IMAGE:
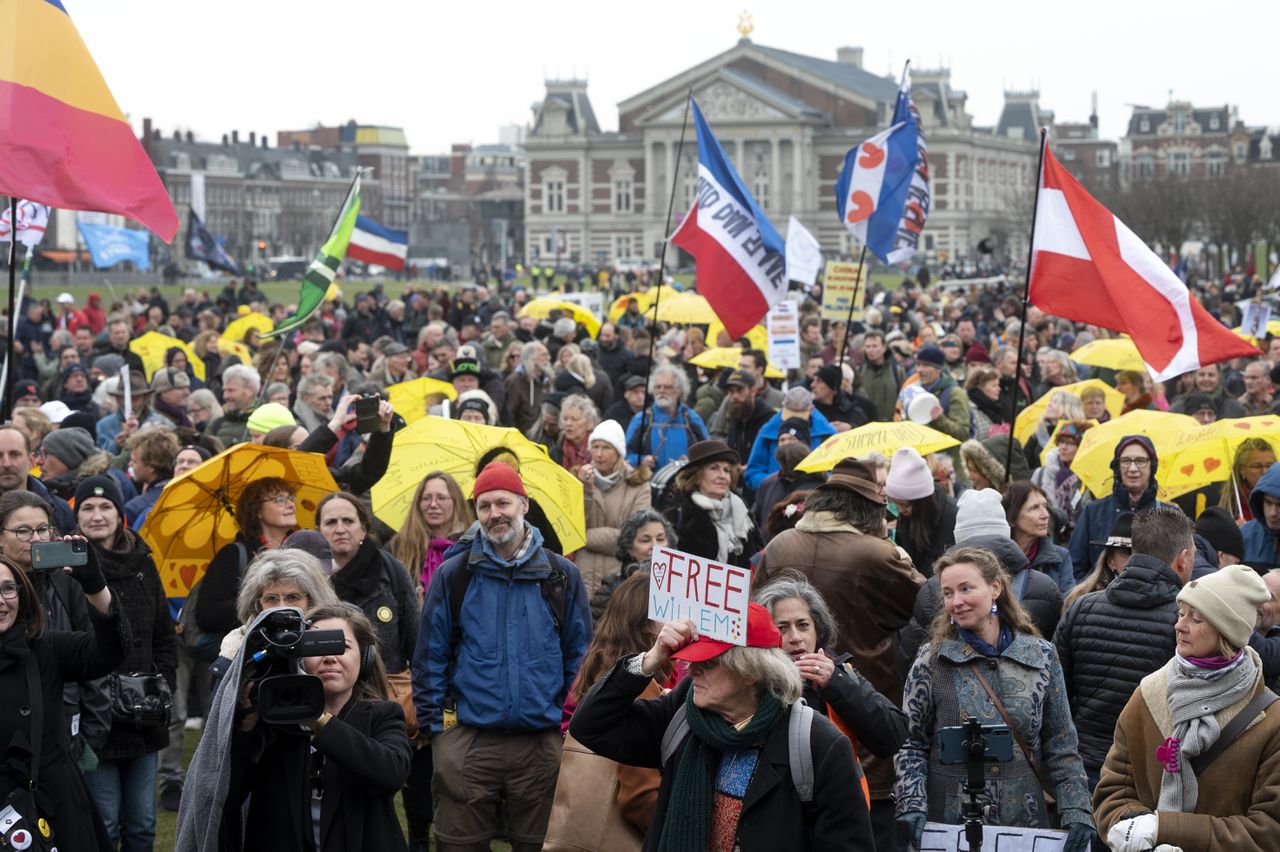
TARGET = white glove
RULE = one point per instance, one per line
(1133, 835)
(1168, 847)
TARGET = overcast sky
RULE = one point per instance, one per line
(455, 71)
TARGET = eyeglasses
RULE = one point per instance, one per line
(292, 599)
(9, 591)
(27, 533)
(1260, 467)
(437, 498)
(1139, 464)
(283, 500)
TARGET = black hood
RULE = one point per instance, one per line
(1148, 498)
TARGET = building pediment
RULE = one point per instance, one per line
(728, 96)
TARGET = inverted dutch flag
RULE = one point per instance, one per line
(375, 243)
(63, 139)
(741, 266)
(883, 190)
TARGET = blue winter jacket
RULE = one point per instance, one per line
(669, 435)
(1262, 545)
(762, 461)
(1098, 517)
(513, 672)
(1055, 560)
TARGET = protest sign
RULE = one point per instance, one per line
(940, 837)
(838, 286)
(712, 595)
(1256, 316)
(784, 335)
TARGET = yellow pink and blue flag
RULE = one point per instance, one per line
(63, 139)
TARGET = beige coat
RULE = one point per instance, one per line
(605, 512)
(1238, 806)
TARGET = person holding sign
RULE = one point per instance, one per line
(710, 520)
(722, 741)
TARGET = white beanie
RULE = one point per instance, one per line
(980, 512)
(611, 433)
(1228, 599)
(909, 478)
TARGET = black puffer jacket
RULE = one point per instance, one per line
(134, 582)
(1109, 641)
(1038, 594)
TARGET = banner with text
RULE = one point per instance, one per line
(839, 285)
(712, 595)
(784, 335)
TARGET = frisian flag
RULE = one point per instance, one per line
(33, 221)
(63, 139)
(373, 242)
(741, 257)
(202, 245)
(315, 283)
(883, 191)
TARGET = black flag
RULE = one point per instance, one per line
(201, 245)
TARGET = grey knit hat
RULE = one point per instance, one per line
(980, 513)
(69, 446)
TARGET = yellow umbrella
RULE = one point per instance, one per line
(542, 307)
(410, 398)
(152, 346)
(1197, 457)
(726, 357)
(879, 437)
(238, 328)
(1029, 418)
(644, 300)
(195, 515)
(758, 335)
(1093, 460)
(686, 309)
(1053, 438)
(235, 347)
(1117, 354)
(455, 447)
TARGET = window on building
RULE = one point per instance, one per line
(553, 196)
(1214, 122)
(622, 245)
(622, 195)
(1179, 163)
(1068, 153)
(1102, 157)
(1215, 164)
(1144, 125)
(1144, 166)
(760, 189)
(1179, 121)
(1240, 152)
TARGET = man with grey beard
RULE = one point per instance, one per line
(505, 625)
(527, 386)
(670, 427)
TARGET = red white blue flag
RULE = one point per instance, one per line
(741, 266)
(883, 191)
(372, 242)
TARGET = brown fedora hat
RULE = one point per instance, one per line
(705, 452)
(857, 476)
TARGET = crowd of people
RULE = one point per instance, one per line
(501, 687)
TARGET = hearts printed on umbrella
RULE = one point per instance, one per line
(862, 206)
(1245, 426)
(872, 156)
(658, 570)
(1187, 469)
(1211, 464)
(1267, 423)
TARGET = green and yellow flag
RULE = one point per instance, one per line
(323, 269)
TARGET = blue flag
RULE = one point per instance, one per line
(109, 245)
(201, 245)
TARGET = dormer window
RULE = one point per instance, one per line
(1144, 125)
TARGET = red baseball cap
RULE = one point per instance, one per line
(761, 633)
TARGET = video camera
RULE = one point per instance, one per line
(282, 693)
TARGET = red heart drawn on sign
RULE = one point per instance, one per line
(658, 569)
(1187, 469)
(1211, 464)
(1245, 426)
(872, 156)
(861, 207)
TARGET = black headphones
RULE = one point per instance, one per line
(368, 656)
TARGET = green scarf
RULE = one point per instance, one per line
(688, 819)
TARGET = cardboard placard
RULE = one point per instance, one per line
(712, 595)
(838, 286)
(941, 837)
(784, 335)
(127, 390)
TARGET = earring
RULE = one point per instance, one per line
(994, 608)
(953, 621)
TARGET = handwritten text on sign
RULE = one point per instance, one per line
(712, 595)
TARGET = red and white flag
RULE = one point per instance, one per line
(1087, 266)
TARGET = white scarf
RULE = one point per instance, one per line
(729, 514)
(604, 483)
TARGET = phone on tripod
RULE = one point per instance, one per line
(997, 741)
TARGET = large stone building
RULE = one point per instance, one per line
(470, 204)
(1182, 140)
(1090, 159)
(786, 120)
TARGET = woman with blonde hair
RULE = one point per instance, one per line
(438, 516)
(1062, 405)
(986, 660)
(1252, 459)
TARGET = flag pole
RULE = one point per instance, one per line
(662, 269)
(853, 300)
(1026, 297)
(12, 321)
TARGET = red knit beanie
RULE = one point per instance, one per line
(497, 476)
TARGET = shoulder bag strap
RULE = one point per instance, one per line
(1017, 735)
(36, 700)
(1234, 729)
(674, 735)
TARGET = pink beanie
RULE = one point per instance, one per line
(909, 478)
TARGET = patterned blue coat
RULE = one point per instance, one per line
(943, 690)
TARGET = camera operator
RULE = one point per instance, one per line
(124, 784)
(36, 660)
(985, 660)
(27, 519)
(328, 784)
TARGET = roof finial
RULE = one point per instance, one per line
(744, 24)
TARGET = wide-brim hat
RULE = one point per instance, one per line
(857, 476)
(137, 386)
(705, 452)
(1121, 534)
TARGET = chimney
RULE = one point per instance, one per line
(253, 139)
(191, 137)
(264, 140)
(1093, 112)
(224, 139)
(235, 137)
(146, 129)
(849, 56)
(177, 136)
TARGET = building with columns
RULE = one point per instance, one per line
(786, 120)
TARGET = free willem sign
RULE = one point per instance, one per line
(712, 595)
